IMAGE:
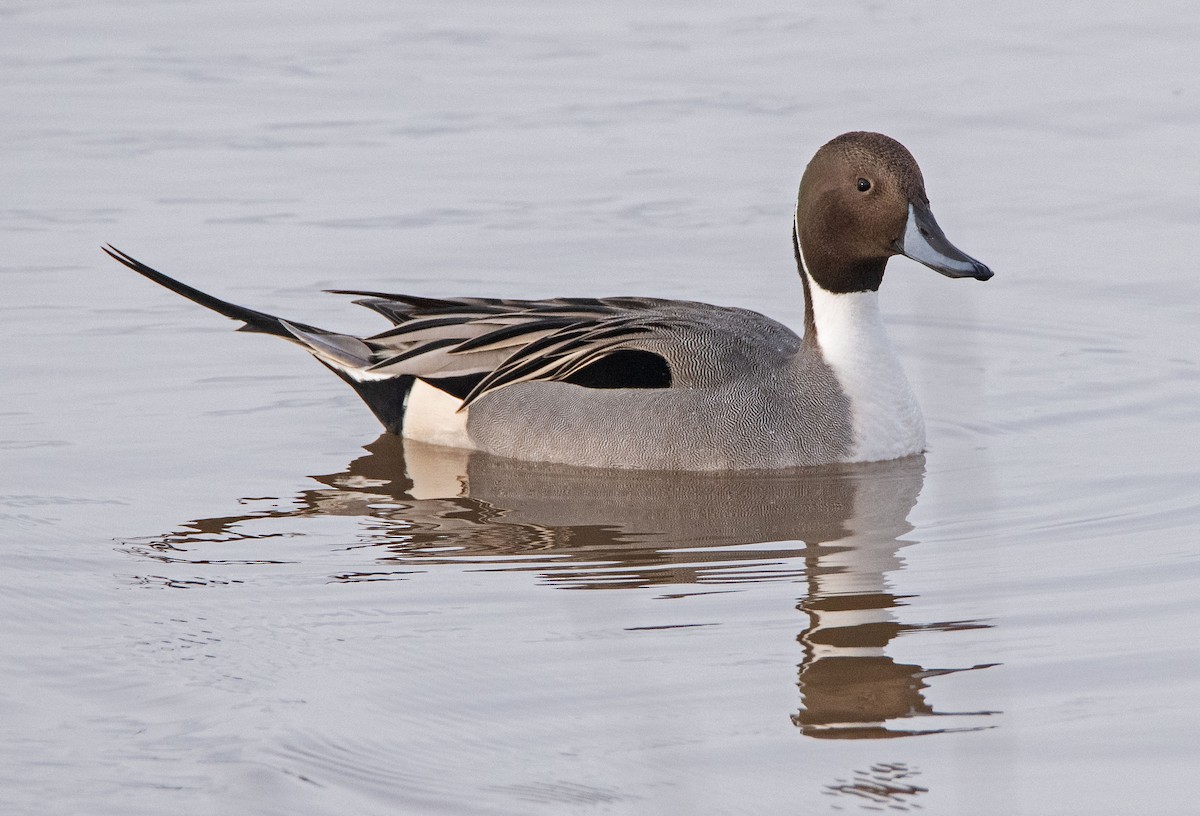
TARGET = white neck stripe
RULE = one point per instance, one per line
(885, 416)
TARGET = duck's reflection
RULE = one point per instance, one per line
(839, 529)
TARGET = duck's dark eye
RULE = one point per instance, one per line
(863, 185)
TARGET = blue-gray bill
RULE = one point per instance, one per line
(925, 243)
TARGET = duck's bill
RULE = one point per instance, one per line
(925, 243)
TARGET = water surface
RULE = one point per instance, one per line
(220, 588)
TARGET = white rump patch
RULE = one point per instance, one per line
(431, 415)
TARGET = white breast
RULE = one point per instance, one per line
(886, 419)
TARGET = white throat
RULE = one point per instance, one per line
(886, 419)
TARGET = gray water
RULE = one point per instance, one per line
(222, 592)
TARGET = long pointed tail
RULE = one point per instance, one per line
(347, 356)
(254, 320)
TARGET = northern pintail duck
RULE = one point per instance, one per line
(638, 382)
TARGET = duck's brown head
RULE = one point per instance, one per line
(862, 200)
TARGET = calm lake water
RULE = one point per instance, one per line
(222, 592)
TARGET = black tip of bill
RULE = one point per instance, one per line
(980, 272)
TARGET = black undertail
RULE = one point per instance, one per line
(387, 399)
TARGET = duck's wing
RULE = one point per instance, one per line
(469, 346)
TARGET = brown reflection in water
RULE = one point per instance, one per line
(839, 529)
(850, 689)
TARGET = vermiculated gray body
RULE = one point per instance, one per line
(747, 393)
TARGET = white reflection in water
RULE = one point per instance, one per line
(837, 529)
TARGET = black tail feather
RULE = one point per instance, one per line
(255, 321)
